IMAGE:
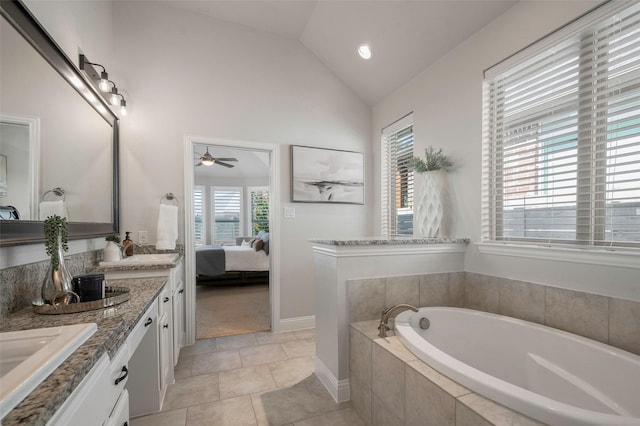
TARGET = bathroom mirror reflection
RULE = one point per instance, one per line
(51, 137)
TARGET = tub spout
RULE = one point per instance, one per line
(384, 317)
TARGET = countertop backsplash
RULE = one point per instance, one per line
(19, 285)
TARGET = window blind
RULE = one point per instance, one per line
(561, 154)
(397, 178)
(227, 210)
(199, 212)
(259, 215)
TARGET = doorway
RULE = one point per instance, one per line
(228, 187)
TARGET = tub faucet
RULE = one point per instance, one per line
(384, 318)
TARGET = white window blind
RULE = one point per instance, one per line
(561, 154)
(259, 214)
(200, 215)
(397, 178)
(227, 214)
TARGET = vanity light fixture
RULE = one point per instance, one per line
(364, 51)
(114, 96)
(106, 86)
(104, 76)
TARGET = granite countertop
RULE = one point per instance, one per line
(114, 325)
(137, 266)
(373, 241)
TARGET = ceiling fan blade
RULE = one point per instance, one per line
(226, 159)
(199, 164)
(223, 164)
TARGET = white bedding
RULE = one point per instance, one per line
(239, 258)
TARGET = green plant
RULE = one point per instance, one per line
(115, 238)
(55, 228)
(434, 160)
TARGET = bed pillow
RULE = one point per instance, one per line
(265, 238)
(246, 243)
(257, 244)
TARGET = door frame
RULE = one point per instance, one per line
(189, 221)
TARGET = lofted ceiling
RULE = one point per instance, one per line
(405, 36)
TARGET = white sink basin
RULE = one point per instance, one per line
(27, 357)
(144, 259)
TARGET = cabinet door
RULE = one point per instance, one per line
(120, 414)
(166, 351)
(178, 323)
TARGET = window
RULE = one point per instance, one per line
(562, 136)
(226, 214)
(259, 212)
(199, 212)
(397, 178)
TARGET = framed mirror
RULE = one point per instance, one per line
(58, 138)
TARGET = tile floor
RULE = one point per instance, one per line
(250, 379)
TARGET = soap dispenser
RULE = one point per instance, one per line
(128, 244)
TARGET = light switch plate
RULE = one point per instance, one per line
(143, 237)
(289, 212)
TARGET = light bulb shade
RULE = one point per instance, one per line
(364, 51)
(123, 107)
(104, 81)
(114, 99)
(207, 162)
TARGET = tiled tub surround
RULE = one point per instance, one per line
(114, 325)
(338, 261)
(390, 386)
(609, 320)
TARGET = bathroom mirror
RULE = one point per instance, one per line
(52, 137)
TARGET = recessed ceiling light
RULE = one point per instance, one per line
(364, 51)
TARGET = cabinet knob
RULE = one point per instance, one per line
(181, 291)
(125, 370)
(166, 326)
(166, 299)
(148, 322)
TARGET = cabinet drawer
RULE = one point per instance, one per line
(119, 372)
(147, 321)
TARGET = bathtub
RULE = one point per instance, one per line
(549, 375)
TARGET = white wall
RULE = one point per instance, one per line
(191, 74)
(447, 99)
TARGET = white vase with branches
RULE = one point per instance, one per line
(432, 216)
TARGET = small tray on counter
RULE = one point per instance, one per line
(113, 296)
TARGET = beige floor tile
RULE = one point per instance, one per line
(345, 417)
(245, 381)
(299, 402)
(263, 354)
(292, 371)
(183, 368)
(215, 362)
(268, 338)
(191, 391)
(309, 333)
(170, 418)
(199, 347)
(229, 412)
(229, 343)
(300, 348)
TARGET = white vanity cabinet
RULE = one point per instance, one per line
(155, 357)
(101, 397)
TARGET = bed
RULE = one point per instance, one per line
(243, 263)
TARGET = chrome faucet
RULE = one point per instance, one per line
(125, 247)
(384, 318)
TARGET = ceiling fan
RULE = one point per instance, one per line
(209, 160)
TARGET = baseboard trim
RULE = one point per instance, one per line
(339, 390)
(299, 323)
